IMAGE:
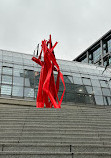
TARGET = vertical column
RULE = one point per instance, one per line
(87, 56)
(101, 45)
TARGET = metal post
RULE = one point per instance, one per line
(101, 45)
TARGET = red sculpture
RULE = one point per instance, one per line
(48, 89)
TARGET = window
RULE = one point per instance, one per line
(104, 83)
(106, 92)
(6, 79)
(70, 97)
(95, 82)
(77, 80)
(18, 72)
(86, 81)
(97, 91)
(107, 100)
(29, 78)
(7, 70)
(99, 100)
(29, 92)
(6, 90)
(68, 79)
(18, 81)
(17, 91)
(88, 89)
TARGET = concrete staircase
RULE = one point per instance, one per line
(69, 132)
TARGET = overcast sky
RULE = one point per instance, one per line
(75, 24)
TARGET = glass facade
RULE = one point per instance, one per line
(85, 84)
(98, 53)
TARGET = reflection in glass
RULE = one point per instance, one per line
(86, 81)
(68, 79)
(17, 91)
(99, 100)
(19, 81)
(17, 60)
(6, 89)
(29, 92)
(6, 79)
(7, 58)
(70, 97)
(77, 80)
(36, 78)
(97, 91)
(89, 99)
(29, 78)
(7, 70)
(18, 72)
(104, 83)
(107, 100)
(95, 82)
(106, 92)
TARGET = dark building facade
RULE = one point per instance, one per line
(85, 83)
(98, 53)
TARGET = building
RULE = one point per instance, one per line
(98, 53)
(85, 83)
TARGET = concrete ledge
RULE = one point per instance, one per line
(13, 101)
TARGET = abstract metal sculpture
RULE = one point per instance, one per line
(48, 89)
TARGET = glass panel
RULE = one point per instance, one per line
(97, 91)
(36, 91)
(76, 75)
(0, 70)
(7, 58)
(69, 87)
(0, 54)
(7, 79)
(6, 89)
(77, 80)
(29, 78)
(18, 72)
(18, 66)
(36, 78)
(17, 91)
(19, 81)
(16, 54)
(70, 97)
(7, 70)
(104, 83)
(88, 89)
(68, 79)
(28, 62)
(109, 45)
(96, 54)
(86, 81)
(106, 92)
(95, 82)
(99, 100)
(107, 100)
(17, 60)
(28, 67)
(80, 98)
(7, 53)
(7, 64)
(29, 92)
(89, 99)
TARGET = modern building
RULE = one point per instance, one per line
(85, 83)
(98, 53)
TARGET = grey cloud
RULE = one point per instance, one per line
(75, 24)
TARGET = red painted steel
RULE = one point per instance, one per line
(48, 89)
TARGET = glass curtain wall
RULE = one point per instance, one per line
(85, 84)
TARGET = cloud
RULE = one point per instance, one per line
(75, 24)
